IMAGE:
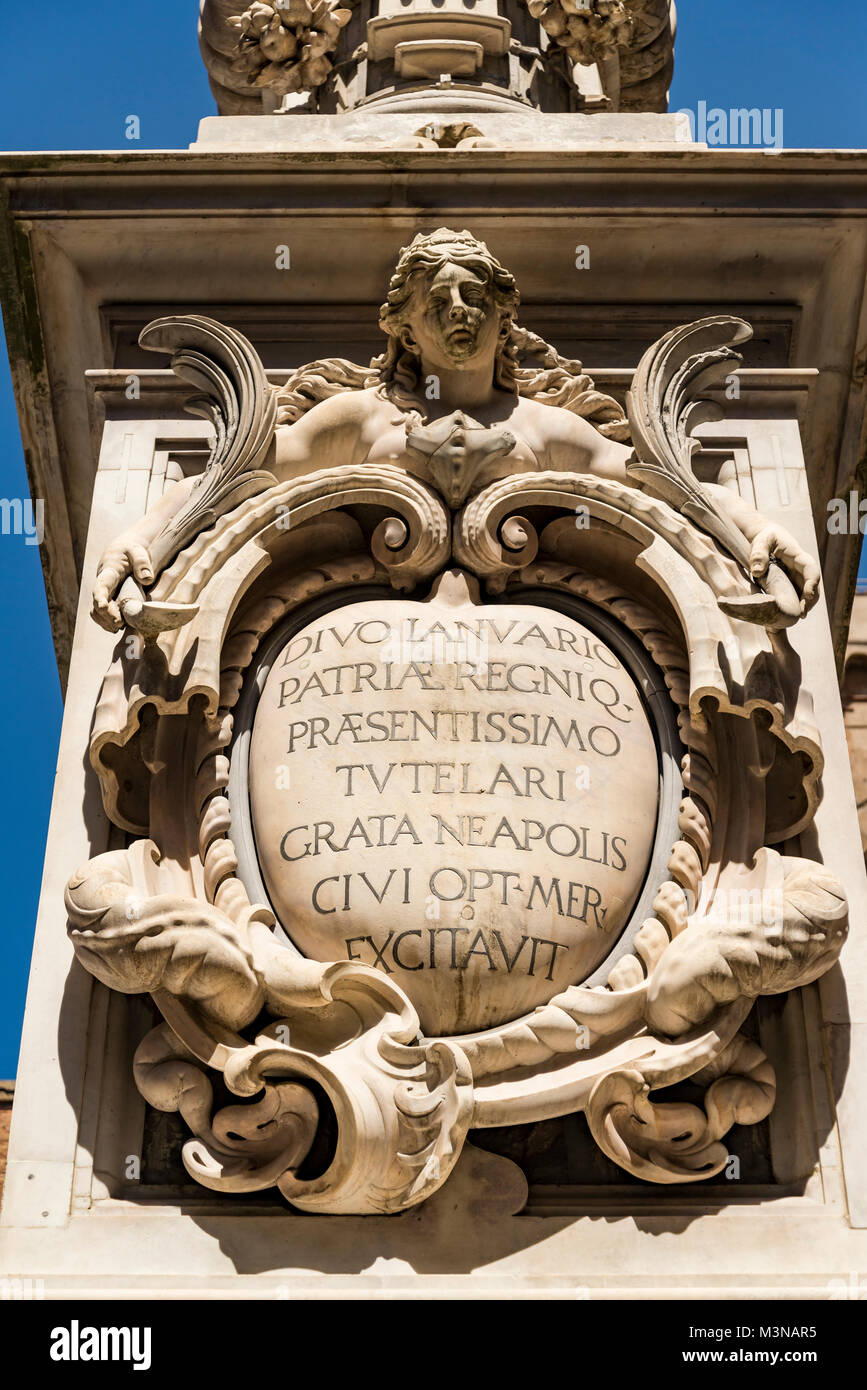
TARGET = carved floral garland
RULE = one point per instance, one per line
(588, 32)
(284, 45)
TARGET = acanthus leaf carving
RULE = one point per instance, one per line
(403, 1107)
(674, 1142)
(243, 1148)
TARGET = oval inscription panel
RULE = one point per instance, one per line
(463, 796)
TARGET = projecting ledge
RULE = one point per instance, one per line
(398, 130)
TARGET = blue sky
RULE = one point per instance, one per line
(71, 74)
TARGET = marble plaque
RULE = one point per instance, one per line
(463, 796)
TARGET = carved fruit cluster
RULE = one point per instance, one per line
(284, 45)
(589, 30)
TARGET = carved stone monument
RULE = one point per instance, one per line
(429, 852)
(458, 751)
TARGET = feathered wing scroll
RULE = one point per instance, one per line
(242, 407)
(665, 406)
(240, 404)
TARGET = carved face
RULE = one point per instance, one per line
(453, 320)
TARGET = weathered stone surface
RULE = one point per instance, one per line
(522, 129)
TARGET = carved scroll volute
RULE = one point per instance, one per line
(665, 406)
(492, 539)
(415, 543)
(402, 1107)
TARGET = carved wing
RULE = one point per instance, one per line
(665, 406)
(242, 407)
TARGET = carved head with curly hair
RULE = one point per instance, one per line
(451, 301)
(448, 289)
